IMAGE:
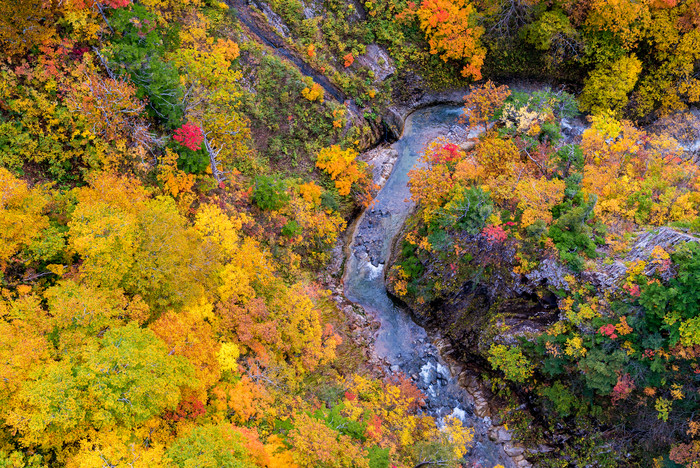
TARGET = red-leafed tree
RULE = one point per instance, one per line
(190, 136)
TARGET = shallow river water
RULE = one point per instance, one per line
(404, 344)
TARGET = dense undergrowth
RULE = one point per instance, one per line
(636, 58)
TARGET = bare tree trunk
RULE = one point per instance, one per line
(218, 176)
(104, 63)
(104, 17)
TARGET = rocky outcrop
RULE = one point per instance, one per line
(494, 304)
(266, 30)
(488, 302)
(377, 59)
(371, 130)
(273, 19)
(550, 274)
(411, 92)
(381, 160)
(607, 276)
(312, 8)
(684, 126)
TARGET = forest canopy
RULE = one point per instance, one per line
(176, 178)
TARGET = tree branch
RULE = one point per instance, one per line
(104, 63)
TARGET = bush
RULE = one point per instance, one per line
(569, 158)
(140, 55)
(563, 401)
(378, 457)
(329, 200)
(572, 235)
(270, 194)
(600, 369)
(511, 361)
(545, 102)
(468, 211)
(291, 229)
(411, 265)
(192, 162)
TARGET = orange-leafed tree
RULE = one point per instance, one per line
(636, 176)
(537, 197)
(431, 185)
(21, 215)
(22, 350)
(451, 30)
(243, 402)
(341, 165)
(626, 19)
(498, 156)
(26, 23)
(345, 170)
(482, 101)
(189, 335)
(110, 108)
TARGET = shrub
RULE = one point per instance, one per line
(291, 229)
(269, 194)
(468, 210)
(511, 361)
(573, 236)
(138, 52)
(561, 398)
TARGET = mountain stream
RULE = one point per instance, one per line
(399, 341)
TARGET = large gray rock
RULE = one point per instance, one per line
(500, 434)
(312, 8)
(381, 160)
(608, 276)
(394, 122)
(513, 450)
(377, 60)
(549, 273)
(273, 19)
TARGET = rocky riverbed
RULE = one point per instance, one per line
(398, 344)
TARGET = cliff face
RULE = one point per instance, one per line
(476, 297)
(483, 300)
(398, 92)
(607, 275)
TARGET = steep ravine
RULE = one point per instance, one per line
(274, 41)
(402, 344)
(410, 91)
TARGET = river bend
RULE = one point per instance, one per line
(401, 342)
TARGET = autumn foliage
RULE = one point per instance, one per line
(342, 167)
(190, 136)
(451, 31)
(171, 191)
(522, 198)
(156, 309)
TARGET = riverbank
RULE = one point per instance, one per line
(399, 345)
